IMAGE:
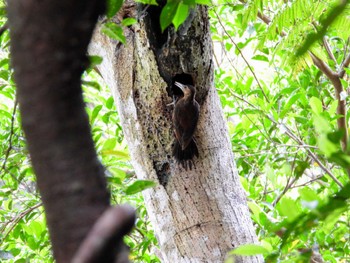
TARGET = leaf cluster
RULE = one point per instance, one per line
(283, 120)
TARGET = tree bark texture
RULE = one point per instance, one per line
(201, 214)
(49, 42)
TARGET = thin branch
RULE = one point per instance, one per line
(285, 190)
(344, 65)
(313, 156)
(241, 53)
(328, 72)
(4, 28)
(7, 153)
(335, 79)
(19, 217)
(329, 51)
(308, 182)
(267, 21)
(299, 141)
(333, 76)
(341, 109)
(290, 181)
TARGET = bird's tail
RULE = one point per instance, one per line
(185, 156)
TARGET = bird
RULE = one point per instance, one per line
(185, 119)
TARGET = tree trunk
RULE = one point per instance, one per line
(201, 214)
(49, 42)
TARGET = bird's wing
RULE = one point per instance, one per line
(189, 126)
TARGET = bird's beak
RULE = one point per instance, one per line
(181, 86)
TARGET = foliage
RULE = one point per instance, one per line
(284, 127)
(23, 232)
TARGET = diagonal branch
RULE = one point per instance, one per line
(7, 153)
(341, 109)
(245, 60)
(334, 77)
(329, 51)
(299, 141)
(344, 65)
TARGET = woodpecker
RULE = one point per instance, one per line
(185, 119)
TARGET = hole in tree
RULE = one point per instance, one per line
(183, 78)
(156, 37)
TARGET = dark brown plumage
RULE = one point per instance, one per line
(185, 119)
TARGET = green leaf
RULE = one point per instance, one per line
(92, 84)
(109, 144)
(330, 17)
(336, 136)
(129, 21)
(249, 250)
(316, 105)
(287, 207)
(32, 243)
(189, 2)
(300, 168)
(36, 228)
(113, 6)
(148, 2)
(119, 154)
(139, 186)
(260, 58)
(95, 112)
(168, 13)
(181, 15)
(110, 103)
(308, 194)
(94, 61)
(203, 2)
(114, 31)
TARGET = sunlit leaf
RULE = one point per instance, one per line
(113, 7)
(316, 105)
(139, 186)
(249, 250)
(181, 15)
(129, 21)
(168, 13)
(114, 31)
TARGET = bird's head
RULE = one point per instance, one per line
(188, 90)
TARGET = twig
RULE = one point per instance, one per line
(335, 79)
(329, 51)
(308, 182)
(299, 141)
(19, 217)
(7, 153)
(338, 87)
(241, 53)
(4, 28)
(285, 190)
(344, 65)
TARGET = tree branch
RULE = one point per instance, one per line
(338, 87)
(245, 60)
(9, 148)
(108, 231)
(329, 51)
(299, 141)
(19, 217)
(344, 65)
(334, 78)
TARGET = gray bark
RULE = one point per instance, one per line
(201, 214)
